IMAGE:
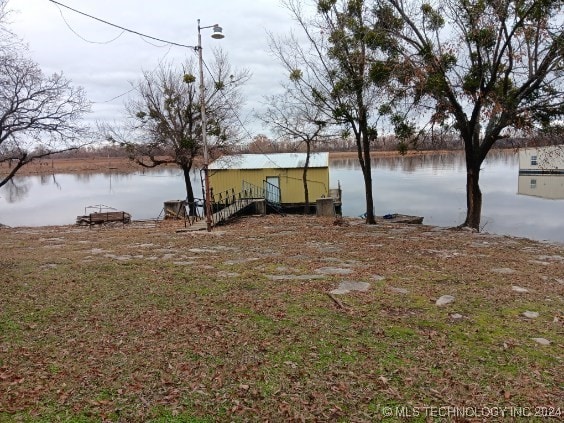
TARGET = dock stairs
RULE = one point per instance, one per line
(228, 204)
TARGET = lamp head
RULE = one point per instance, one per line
(217, 32)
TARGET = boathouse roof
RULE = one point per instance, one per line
(270, 161)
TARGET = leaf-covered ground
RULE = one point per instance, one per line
(147, 324)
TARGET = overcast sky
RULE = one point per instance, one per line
(107, 68)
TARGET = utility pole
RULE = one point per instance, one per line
(217, 34)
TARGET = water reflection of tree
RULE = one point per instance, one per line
(83, 177)
(118, 176)
(46, 179)
(412, 163)
(15, 190)
(508, 157)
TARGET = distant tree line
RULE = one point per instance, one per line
(425, 142)
(262, 144)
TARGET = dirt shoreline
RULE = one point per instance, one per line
(75, 165)
(123, 164)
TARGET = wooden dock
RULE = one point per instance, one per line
(100, 218)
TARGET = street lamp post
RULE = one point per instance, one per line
(217, 34)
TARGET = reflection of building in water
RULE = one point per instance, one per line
(541, 172)
(542, 185)
(540, 160)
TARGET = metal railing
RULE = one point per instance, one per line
(252, 191)
(227, 203)
(269, 192)
(224, 199)
(233, 208)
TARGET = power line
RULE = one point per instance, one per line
(118, 96)
(80, 36)
(227, 101)
(134, 88)
(143, 37)
(237, 116)
(121, 27)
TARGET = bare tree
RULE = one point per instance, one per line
(290, 118)
(164, 121)
(485, 68)
(333, 69)
(39, 115)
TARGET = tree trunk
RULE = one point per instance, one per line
(367, 173)
(304, 177)
(366, 165)
(473, 197)
(189, 191)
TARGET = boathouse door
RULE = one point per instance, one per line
(272, 189)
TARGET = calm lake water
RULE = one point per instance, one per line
(432, 186)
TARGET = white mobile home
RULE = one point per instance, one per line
(549, 186)
(539, 160)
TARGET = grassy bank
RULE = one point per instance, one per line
(146, 324)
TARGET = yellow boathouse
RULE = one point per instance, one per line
(280, 176)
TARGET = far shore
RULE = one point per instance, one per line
(49, 166)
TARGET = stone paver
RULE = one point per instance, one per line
(519, 289)
(444, 300)
(541, 341)
(348, 286)
(504, 270)
(333, 271)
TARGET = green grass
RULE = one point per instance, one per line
(148, 340)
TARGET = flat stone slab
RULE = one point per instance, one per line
(202, 250)
(333, 271)
(240, 261)
(542, 263)
(456, 316)
(293, 277)
(551, 258)
(398, 290)
(541, 341)
(444, 300)
(504, 270)
(519, 289)
(346, 287)
(531, 314)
